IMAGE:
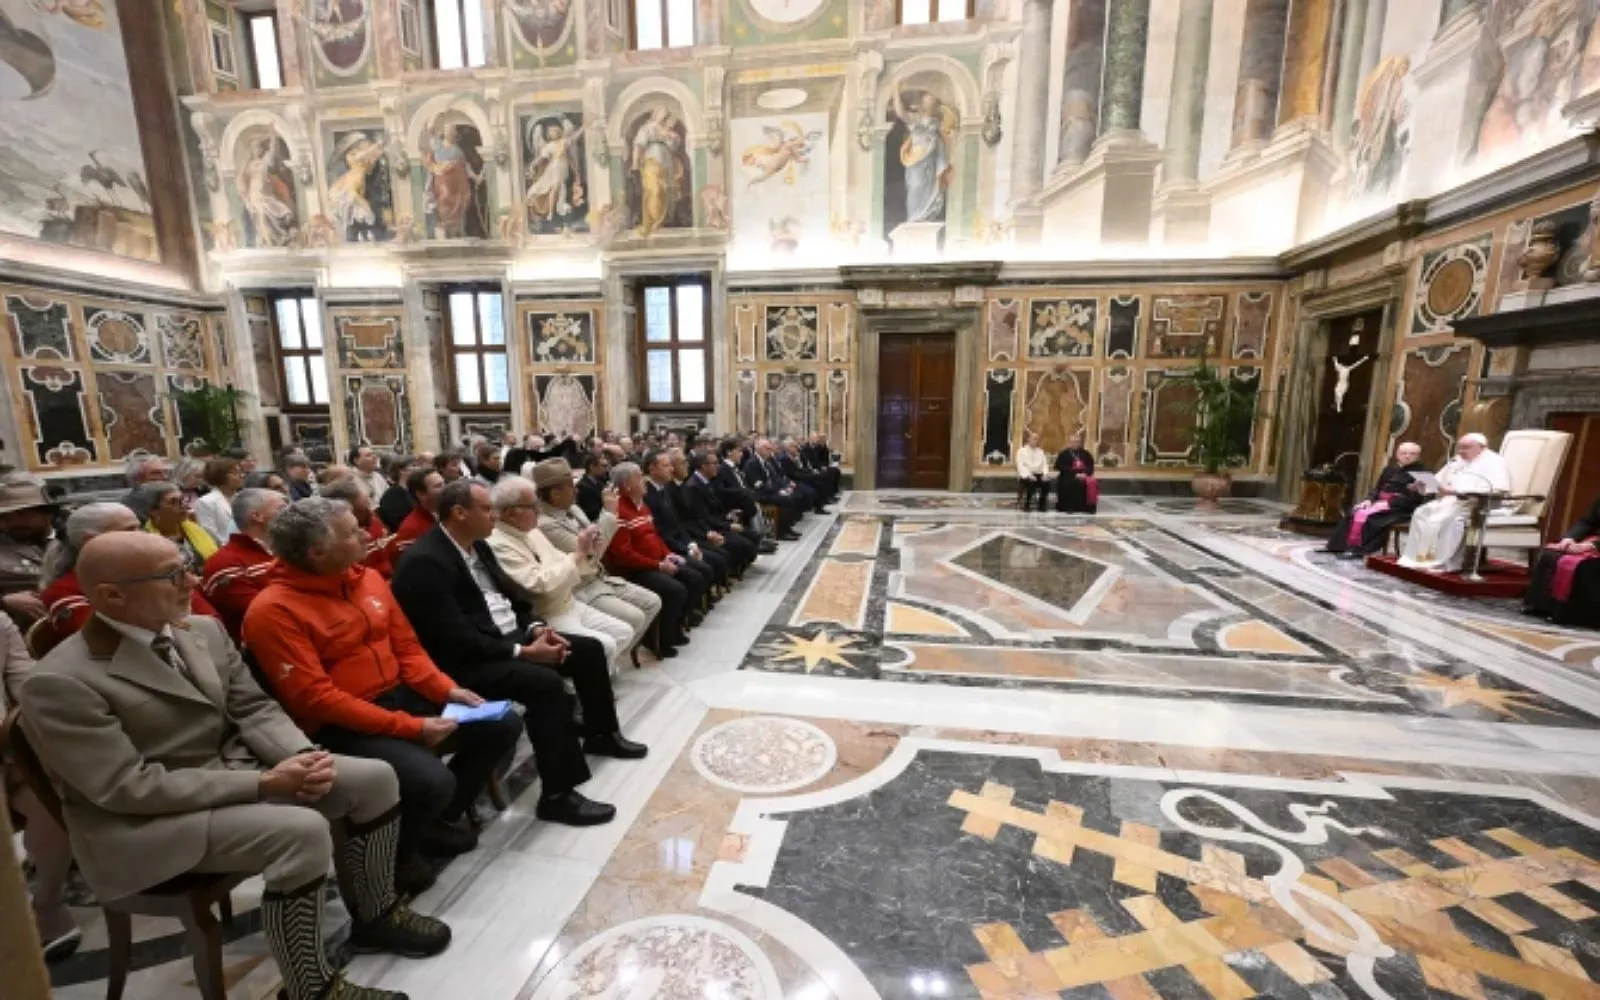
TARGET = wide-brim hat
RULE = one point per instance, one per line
(23, 494)
(552, 472)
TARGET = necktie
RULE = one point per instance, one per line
(163, 647)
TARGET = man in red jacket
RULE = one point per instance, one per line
(239, 570)
(638, 554)
(354, 493)
(342, 658)
(424, 485)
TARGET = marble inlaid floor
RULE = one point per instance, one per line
(938, 748)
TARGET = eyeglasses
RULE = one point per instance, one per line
(174, 576)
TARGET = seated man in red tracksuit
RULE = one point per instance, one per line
(638, 554)
(242, 567)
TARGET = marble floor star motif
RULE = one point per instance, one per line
(816, 650)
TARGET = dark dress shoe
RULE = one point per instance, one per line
(666, 653)
(414, 876)
(572, 809)
(614, 745)
(402, 931)
(789, 536)
(450, 839)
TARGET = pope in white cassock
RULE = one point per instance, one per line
(1438, 530)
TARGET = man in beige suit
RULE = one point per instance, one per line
(170, 759)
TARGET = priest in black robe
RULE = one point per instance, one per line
(1077, 491)
(1566, 580)
(1362, 531)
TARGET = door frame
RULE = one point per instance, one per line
(964, 322)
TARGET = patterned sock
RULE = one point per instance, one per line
(365, 863)
(292, 924)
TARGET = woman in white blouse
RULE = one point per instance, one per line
(214, 511)
(1033, 469)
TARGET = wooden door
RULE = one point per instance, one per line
(916, 395)
(1346, 392)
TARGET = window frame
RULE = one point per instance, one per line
(933, 14)
(247, 23)
(485, 13)
(478, 348)
(221, 36)
(676, 344)
(281, 355)
(666, 34)
(410, 9)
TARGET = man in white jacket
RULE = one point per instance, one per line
(545, 572)
(1033, 470)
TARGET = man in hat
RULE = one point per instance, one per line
(27, 521)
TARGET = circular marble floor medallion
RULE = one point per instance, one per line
(673, 957)
(763, 755)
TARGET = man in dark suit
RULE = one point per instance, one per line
(703, 515)
(474, 622)
(818, 457)
(659, 488)
(592, 487)
(787, 456)
(729, 485)
(762, 472)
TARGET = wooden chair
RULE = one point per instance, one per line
(189, 898)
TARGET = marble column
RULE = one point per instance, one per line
(1080, 90)
(1372, 37)
(1305, 61)
(1352, 38)
(1033, 94)
(1122, 85)
(1186, 110)
(1260, 71)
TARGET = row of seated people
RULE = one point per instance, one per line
(351, 699)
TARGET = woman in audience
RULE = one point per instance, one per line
(42, 836)
(1033, 470)
(190, 475)
(1077, 491)
(214, 511)
(167, 519)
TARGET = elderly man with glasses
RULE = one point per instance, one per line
(171, 760)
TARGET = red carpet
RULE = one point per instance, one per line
(1500, 579)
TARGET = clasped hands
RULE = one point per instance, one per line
(305, 777)
(1573, 546)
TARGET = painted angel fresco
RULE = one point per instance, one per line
(786, 150)
(556, 198)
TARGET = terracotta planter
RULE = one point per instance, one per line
(1209, 486)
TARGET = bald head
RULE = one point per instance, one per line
(135, 577)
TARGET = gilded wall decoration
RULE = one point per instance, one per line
(561, 337)
(839, 316)
(40, 329)
(1055, 403)
(791, 404)
(182, 342)
(1001, 321)
(791, 333)
(1167, 436)
(838, 429)
(1450, 285)
(313, 436)
(999, 386)
(555, 189)
(378, 412)
(56, 419)
(1252, 321)
(489, 426)
(1122, 326)
(368, 340)
(1062, 328)
(745, 333)
(745, 391)
(117, 337)
(1428, 400)
(1186, 326)
(1116, 417)
(131, 413)
(566, 404)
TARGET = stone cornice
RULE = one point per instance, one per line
(87, 283)
(1398, 222)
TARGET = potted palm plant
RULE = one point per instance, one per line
(209, 416)
(1224, 409)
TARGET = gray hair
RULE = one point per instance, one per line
(88, 521)
(510, 491)
(186, 468)
(303, 526)
(622, 474)
(343, 489)
(147, 497)
(249, 500)
(136, 465)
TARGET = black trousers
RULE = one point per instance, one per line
(674, 601)
(828, 479)
(1032, 486)
(791, 508)
(538, 688)
(739, 551)
(713, 564)
(430, 789)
